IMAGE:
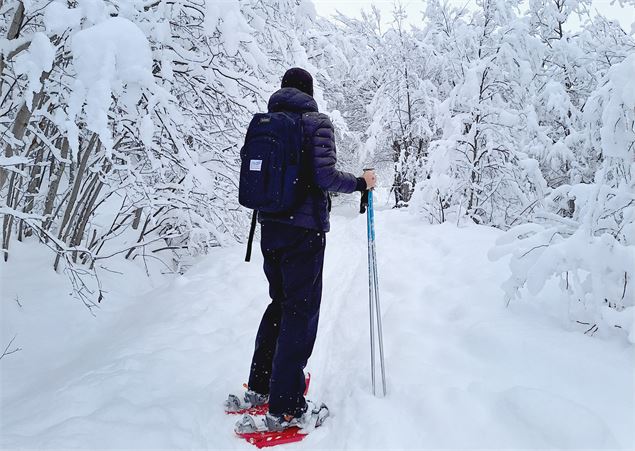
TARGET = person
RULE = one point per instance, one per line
(292, 245)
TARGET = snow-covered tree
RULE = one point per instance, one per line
(477, 168)
(122, 122)
(121, 125)
(590, 249)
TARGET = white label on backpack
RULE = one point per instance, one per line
(255, 165)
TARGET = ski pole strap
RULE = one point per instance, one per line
(252, 230)
(364, 202)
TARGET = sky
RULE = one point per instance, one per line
(626, 16)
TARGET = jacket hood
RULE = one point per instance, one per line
(291, 100)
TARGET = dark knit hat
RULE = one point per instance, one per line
(299, 79)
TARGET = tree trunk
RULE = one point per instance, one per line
(137, 218)
(34, 180)
(87, 211)
(14, 31)
(76, 185)
(54, 186)
(20, 125)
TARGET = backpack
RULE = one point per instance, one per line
(271, 163)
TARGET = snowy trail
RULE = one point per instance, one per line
(463, 371)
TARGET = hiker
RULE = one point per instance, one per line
(292, 244)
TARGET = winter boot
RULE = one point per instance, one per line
(250, 399)
(312, 417)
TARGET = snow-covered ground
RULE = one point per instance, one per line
(151, 370)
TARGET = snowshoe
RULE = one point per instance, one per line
(273, 430)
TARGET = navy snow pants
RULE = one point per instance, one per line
(293, 260)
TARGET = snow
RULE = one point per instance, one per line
(146, 130)
(107, 56)
(233, 28)
(616, 140)
(152, 368)
(58, 18)
(306, 10)
(212, 15)
(93, 10)
(13, 160)
(37, 59)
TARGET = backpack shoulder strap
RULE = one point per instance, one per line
(252, 230)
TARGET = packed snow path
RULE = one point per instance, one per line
(463, 370)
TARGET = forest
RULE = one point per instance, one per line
(122, 121)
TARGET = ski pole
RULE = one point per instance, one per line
(373, 292)
(375, 283)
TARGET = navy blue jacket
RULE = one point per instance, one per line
(319, 138)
